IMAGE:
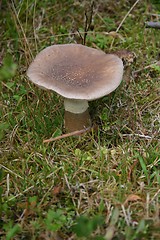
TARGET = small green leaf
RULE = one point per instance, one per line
(10, 85)
(55, 220)
(143, 165)
(156, 68)
(141, 226)
(17, 97)
(115, 216)
(13, 231)
(57, 133)
(8, 68)
(85, 226)
(3, 127)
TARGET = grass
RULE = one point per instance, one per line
(104, 184)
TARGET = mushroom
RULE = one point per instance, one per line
(79, 74)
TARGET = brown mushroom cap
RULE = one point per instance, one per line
(76, 71)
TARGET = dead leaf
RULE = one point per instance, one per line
(56, 190)
(114, 35)
(158, 63)
(131, 170)
(110, 232)
(132, 198)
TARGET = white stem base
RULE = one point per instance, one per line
(75, 106)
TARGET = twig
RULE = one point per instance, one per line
(19, 27)
(61, 35)
(152, 25)
(9, 170)
(138, 135)
(131, 170)
(88, 22)
(121, 23)
(80, 35)
(20, 194)
(153, 14)
(127, 218)
(155, 195)
(146, 67)
(1, 56)
(78, 132)
(70, 189)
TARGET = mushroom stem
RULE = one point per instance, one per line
(76, 115)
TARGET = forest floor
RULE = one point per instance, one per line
(104, 184)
